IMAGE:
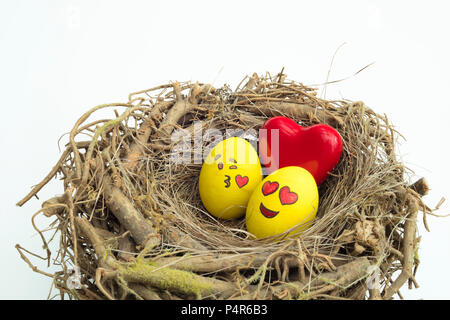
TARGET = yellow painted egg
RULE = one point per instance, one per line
(229, 175)
(285, 202)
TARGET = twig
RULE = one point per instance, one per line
(408, 250)
(98, 281)
(33, 267)
(141, 229)
(46, 180)
(74, 132)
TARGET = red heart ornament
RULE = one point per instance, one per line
(241, 181)
(287, 197)
(316, 148)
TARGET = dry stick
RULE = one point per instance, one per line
(425, 211)
(105, 234)
(358, 292)
(374, 294)
(179, 238)
(181, 107)
(178, 110)
(33, 267)
(258, 97)
(408, 249)
(54, 206)
(301, 262)
(71, 146)
(175, 113)
(330, 297)
(51, 174)
(68, 194)
(164, 86)
(262, 270)
(344, 276)
(143, 134)
(98, 281)
(141, 229)
(214, 263)
(108, 125)
(42, 236)
(422, 188)
(144, 292)
(290, 109)
(91, 294)
(126, 248)
(74, 132)
(97, 242)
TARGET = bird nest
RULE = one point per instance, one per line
(131, 224)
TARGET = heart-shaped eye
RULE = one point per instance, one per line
(269, 187)
(287, 197)
(241, 181)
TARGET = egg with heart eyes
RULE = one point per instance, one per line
(284, 203)
(228, 176)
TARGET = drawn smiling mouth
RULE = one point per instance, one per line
(227, 181)
(267, 212)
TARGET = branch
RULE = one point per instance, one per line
(408, 249)
(176, 281)
(420, 186)
(46, 180)
(141, 229)
(290, 109)
(344, 276)
(88, 230)
(214, 263)
(182, 106)
(179, 238)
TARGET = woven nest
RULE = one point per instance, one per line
(132, 226)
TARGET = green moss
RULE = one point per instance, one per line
(165, 278)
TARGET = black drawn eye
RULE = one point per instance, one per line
(220, 165)
(233, 167)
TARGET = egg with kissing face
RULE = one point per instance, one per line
(228, 176)
(284, 203)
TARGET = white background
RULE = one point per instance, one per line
(60, 58)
